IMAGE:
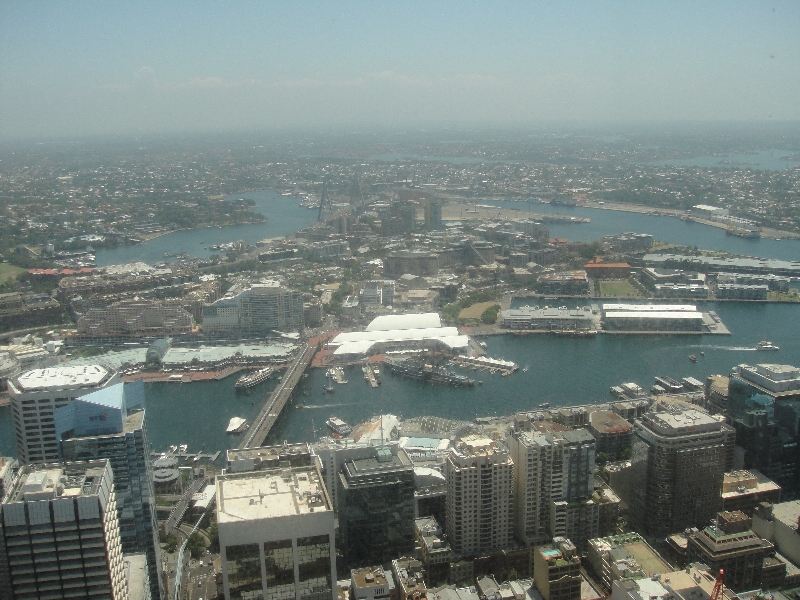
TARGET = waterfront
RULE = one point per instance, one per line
(562, 371)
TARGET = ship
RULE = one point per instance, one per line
(339, 427)
(693, 358)
(426, 372)
(252, 379)
(765, 345)
(236, 425)
(544, 405)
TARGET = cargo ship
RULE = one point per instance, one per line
(252, 379)
(339, 427)
(427, 372)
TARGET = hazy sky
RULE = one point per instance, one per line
(74, 68)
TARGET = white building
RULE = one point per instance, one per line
(60, 534)
(255, 311)
(479, 496)
(780, 524)
(276, 535)
(36, 394)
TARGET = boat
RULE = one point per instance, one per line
(525, 369)
(544, 405)
(236, 425)
(692, 358)
(252, 379)
(182, 449)
(328, 387)
(618, 392)
(632, 390)
(339, 427)
(765, 345)
(669, 384)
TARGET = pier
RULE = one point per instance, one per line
(272, 408)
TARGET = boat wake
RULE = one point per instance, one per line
(736, 348)
(307, 406)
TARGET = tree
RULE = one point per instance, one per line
(171, 543)
(489, 316)
(213, 536)
(513, 575)
(196, 545)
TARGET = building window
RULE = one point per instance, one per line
(244, 571)
(314, 562)
(279, 563)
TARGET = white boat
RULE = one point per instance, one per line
(339, 427)
(236, 425)
(765, 345)
(182, 449)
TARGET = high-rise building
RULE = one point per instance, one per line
(557, 570)
(376, 507)
(36, 394)
(59, 534)
(679, 458)
(480, 478)
(7, 467)
(136, 317)
(731, 546)
(433, 214)
(554, 485)
(110, 423)
(276, 534)
(255, 311)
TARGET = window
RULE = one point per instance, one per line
(244, 571)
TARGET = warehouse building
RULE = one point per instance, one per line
(652, 317)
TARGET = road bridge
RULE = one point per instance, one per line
(269, 413)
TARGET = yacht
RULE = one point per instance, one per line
(765, 345)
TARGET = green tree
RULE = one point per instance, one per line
(489, 316)
(171, 543)
(512, 575)
(213, 536)
(196, 545)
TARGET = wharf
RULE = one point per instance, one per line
(369, 375)
(184, 376)
(269, 413)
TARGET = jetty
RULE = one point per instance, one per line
(274, 404)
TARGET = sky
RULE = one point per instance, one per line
(96, 68)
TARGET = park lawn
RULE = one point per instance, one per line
(618, 288)
(8, 271)
(475, 311)
(792, 296)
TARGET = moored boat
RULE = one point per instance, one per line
(252, 379)
(236, 425)
(339, 427)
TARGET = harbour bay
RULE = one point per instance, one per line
(562, 371)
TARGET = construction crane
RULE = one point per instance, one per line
(324, 200)
(716, 593)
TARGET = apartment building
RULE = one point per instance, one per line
(480, 493)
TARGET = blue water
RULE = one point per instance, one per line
(768, 160)
(284, 214)
(563, 371)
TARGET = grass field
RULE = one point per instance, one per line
(475, 311)
(8, 271)
(783, 296)
(617, 288)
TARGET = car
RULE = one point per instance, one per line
(201, 563)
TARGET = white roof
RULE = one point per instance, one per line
(62, 378)
(635, 314)
(388, 335)
(411, 321)
(650, 307)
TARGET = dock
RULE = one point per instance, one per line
(274, 404)
(369, 375)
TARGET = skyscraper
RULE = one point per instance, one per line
(679, 458)
(36, 394)
(59, 534)
(110, 423)
(479, 477)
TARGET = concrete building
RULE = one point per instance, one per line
(479, 496)
(136, 318)
(7, 468)
(557, 570)
(741, 291)
(59, 534)
(36, 394)
(376, 507)
(434, 550)
(730, 545)
(568, 283)
(614, 434)
(745, 490)
(780, 524)
(625, 556)
(377, 293)
(652, 317)
(424, 264)
(679, 460)
(690, 584)
(255, 312)
(547, 319)
(276, 535)
(372, 583)
(408, 577)
(110, 424)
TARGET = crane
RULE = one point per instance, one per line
(716, 593)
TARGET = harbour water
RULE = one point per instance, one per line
(562, 371)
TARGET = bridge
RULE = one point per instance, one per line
(272, 408)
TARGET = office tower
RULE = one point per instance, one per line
(730, 545)
(376, 507)
(679, 459)
(255, 311)
(276, 534)
(433, 214)
(59, 534)
(36, 394)
(479, 477)
(553, 485)
(110, 423)
(557, 570)
(7, 467)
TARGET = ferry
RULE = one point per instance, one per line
(339, 427)
(669, 384)
(236, 425)
(765, 345)
(252, 379)
(632, 390)
(544, 405)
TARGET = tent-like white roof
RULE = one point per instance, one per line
(411, 321)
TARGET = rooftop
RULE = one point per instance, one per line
(50, 481)
(62, 378)
(270, 494)
(409, 321)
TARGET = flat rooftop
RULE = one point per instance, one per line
(62, 378)
(270, 494)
